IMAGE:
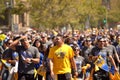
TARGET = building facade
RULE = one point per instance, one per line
(17, 21)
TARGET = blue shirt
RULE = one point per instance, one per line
(41, 61)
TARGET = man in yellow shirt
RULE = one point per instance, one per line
(62, 60)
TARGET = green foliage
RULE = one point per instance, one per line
(52, 13)
(2, 9)
(20, 7)
(114, 13)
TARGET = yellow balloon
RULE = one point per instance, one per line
(2, 37)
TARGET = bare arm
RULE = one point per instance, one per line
(35, 60)
(112, 61)
(51, 65)
(73, 65)
(32, 60)
(12, 45)
(11, 61)
(116, 56)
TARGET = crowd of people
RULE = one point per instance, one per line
(92, 54)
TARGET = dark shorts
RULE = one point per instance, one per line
(101, 75)
(65, 76)
(22, 76)
(48, 76)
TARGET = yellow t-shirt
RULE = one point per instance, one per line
(61, 58)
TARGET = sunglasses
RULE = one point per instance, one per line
(42, 37)
(23, 40)
(88, 40)
(102, 41)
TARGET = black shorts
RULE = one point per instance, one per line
(22, 76)
(101, 75)
(65, 76)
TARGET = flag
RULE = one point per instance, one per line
(100, 62)
(2, 37)
(8, 65)
(96, 68)
(55, 33)
(12, 70)
(112, 69)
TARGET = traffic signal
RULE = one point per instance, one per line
(104, 21)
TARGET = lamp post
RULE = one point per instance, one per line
(9, 6)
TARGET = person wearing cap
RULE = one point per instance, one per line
(6, 56)
(44, 40)
(86, 52)
(3, 47)
(62, 60)
(38, 45)
(79, 60)
(112, 51)
(117, 46)
(28, 57)
(11, 57)
(97, 51)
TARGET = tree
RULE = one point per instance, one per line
(20, 7)
(55, 12)
(2, 12)
(114, 13)
(52, 13)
